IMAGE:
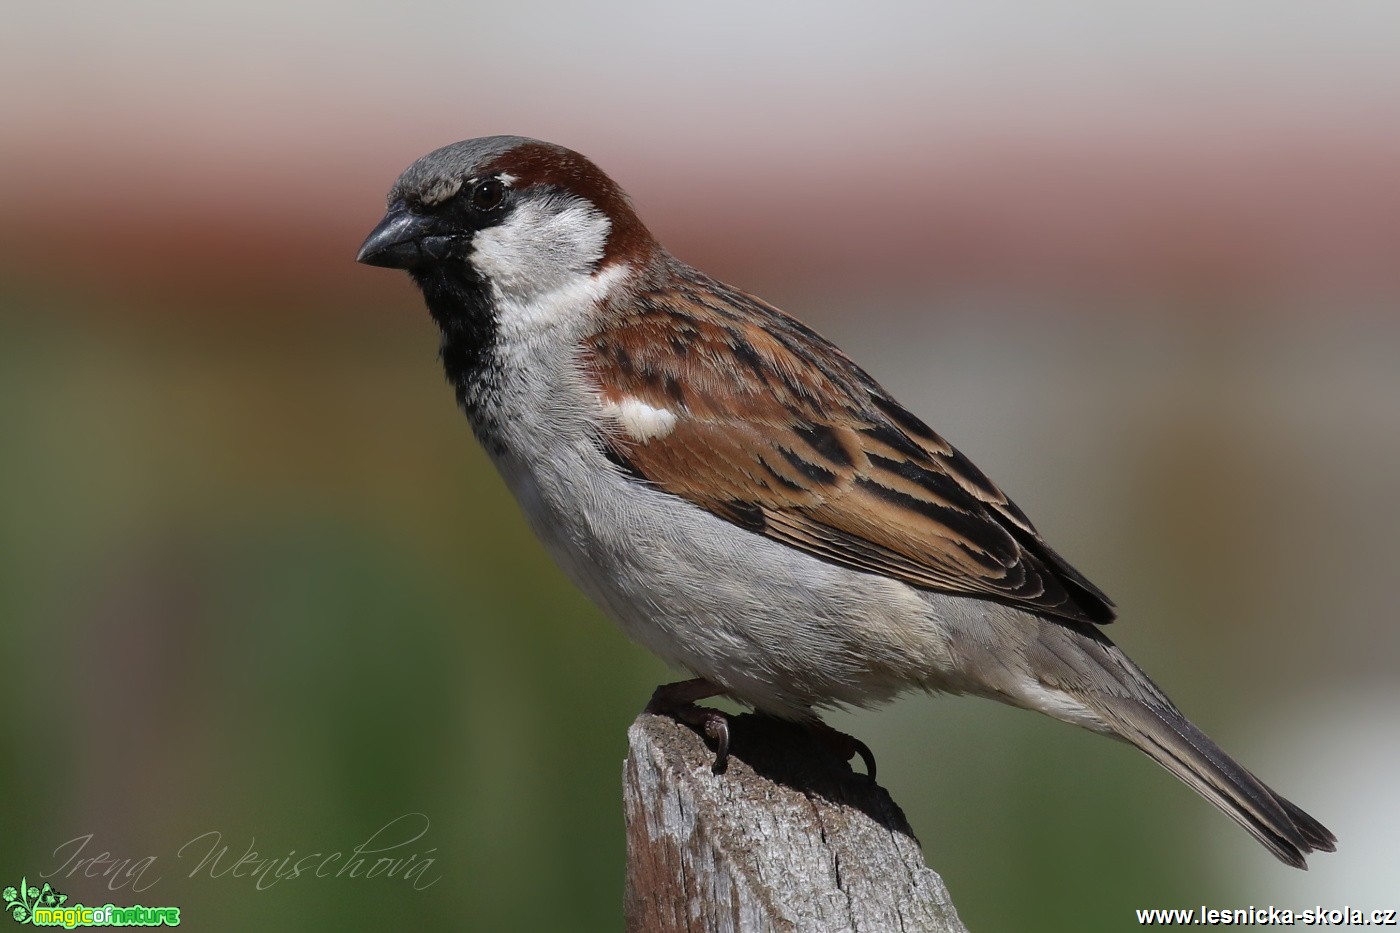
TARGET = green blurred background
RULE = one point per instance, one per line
(256, 578)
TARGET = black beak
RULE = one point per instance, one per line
(405, 240)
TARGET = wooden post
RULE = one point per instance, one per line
(788, 839)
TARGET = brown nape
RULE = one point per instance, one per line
(537, 163)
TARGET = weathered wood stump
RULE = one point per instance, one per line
(788, 839)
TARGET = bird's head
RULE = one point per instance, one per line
(514, 217)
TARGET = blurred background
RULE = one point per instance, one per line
(1139, 261)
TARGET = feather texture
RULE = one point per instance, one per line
(777, 431)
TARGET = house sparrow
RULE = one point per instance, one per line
(738, 495)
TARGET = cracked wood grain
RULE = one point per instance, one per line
(788, 839)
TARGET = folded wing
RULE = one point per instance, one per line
(771, 427)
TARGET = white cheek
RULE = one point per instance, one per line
(541, 263)
(545, 244)
(640, 421)
(571, 304)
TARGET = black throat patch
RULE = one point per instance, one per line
(461, 304)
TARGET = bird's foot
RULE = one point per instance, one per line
(843, 746)
(678, 700)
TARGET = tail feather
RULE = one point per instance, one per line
(1317, 835)
(1074, 673)
(1177, 745)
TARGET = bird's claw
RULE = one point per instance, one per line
(844, 746)
(678, 700)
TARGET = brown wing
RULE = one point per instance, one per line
(758, 441)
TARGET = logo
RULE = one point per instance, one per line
(20, 902)
(45, 907)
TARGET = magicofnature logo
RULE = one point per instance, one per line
(45, 907)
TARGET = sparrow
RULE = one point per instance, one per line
(739, 496)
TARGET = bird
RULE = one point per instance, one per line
(743, 499)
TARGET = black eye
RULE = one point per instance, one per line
(487, 195)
